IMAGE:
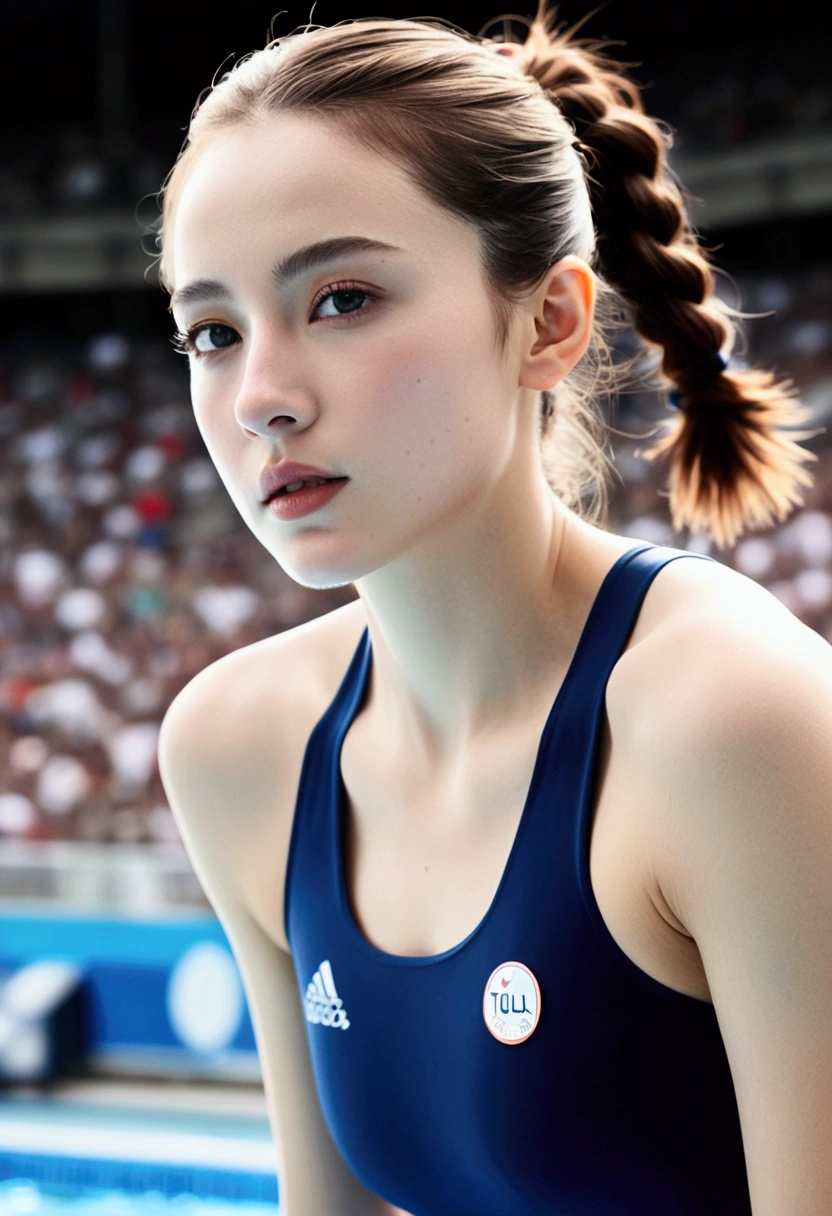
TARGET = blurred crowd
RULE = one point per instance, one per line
(124, 568)
(738, 104)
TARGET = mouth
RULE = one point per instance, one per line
(295, 487)
(300, 498)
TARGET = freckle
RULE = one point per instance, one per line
(447, 430)
(407, 453)
(426, 869)
(419, 499)
(466, 418)
(433, 441)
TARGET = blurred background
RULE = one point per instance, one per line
(127, 1064)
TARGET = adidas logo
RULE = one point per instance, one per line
(323, 1004)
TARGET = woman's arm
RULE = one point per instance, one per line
(212, 765)
(745, 766)
(314, 1180)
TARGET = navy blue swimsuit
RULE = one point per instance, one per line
(533, 1069)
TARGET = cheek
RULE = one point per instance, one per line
(223, 438)
(424, 407)
(212, 402)
(206, 412)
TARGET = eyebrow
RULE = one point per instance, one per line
(286, 269)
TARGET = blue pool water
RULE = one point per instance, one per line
(20, 1197)
(64, 1156)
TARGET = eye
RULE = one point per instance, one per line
(205, 339)
(340, 299)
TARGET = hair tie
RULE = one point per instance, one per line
(697, 375)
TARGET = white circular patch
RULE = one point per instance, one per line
(511, 1003)
(205, 998)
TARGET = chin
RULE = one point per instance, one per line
(326, 565)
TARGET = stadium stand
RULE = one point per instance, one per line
(125, 568)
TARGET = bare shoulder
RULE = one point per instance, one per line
(231, 749)
(723, 679)
(273, 678)
(706, 634)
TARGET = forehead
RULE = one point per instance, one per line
(291, 179)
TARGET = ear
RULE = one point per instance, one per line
(560, 311)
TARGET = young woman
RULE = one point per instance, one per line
(525, 854)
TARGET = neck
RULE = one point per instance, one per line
(466, 628)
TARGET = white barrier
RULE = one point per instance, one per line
(136, 880)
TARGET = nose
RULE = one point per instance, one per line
(272, 398)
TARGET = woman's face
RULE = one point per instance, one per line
(376, 364)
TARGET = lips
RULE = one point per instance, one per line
(304, 498)
(275, 477)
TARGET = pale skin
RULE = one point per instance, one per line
(711, 849)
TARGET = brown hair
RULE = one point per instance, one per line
(540, 147)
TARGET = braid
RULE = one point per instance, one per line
(731, 466)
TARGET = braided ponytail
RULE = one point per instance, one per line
(731, 466)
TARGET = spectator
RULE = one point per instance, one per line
(125, 569)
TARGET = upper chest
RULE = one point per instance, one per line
(423, 857)
(424, 854)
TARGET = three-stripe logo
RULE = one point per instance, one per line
(322, 1003)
